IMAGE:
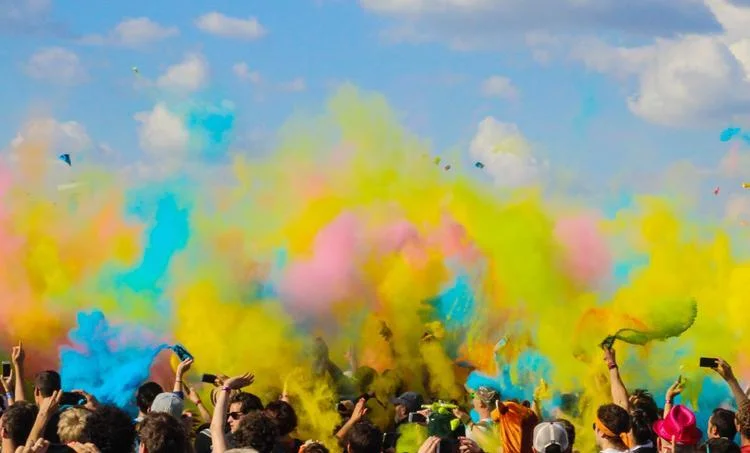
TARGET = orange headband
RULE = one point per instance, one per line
(624, 437)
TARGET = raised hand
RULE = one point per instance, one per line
(431, 445)
(192, 394)
(360, 410)
(40, 446)
(50, 405)
(184, 367)
(18, 355)
(239, 382)
(91, 402)
(466, 445)
(724, 370)
(675, 389)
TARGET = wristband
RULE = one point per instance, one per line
(226, 389)
(9, 395)
(612, 365)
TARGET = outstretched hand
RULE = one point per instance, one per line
(40, 446)
(184, 367)
(18, 355)
(91, 402)
(239, 382)
(724, 370)
(431, 445)
(360, 410)
(50, 405)
(609, 355)
(675, 389)
(192, 394)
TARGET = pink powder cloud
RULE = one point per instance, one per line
(587, 258)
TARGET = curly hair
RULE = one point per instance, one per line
(314, 447)
(111, 430)
(248, 402)
(161, 433)
(282, 413)
(256, 430)
(743, 419)
(18, 420)
(72, 424)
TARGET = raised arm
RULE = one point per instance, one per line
(674, 390)
(46, 411)
(196, 399)
(359, 412)
(725, 371)
(617, 387)
(17, 357)
(182, 369)
(219, 418)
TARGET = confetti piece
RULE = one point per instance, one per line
(65, 158)
(70, 186)
(447, 167)
(135, 70)
(437, 161)
(479, 165)
(746, 185)
(716, 190)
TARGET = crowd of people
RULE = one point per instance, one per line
(52, 420)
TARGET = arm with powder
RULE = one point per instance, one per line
(617, 387)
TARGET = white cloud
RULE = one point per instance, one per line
(62, 137)
(243, 72)
(189, 75)
(230, 27)
(161, 131)
(24, 16)
(297, 85)
(134, 32)
(57, 65)
(499, 87)
(505, 153)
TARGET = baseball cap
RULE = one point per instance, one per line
(169, 403)
(547, 434)
(412, 400)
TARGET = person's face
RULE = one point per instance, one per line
(234, 416)
(401, 413)
(598, 437)
(712, 431)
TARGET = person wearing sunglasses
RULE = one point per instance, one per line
(484, 401)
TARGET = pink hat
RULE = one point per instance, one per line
(680, 424)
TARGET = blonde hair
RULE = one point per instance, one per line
(72, 423)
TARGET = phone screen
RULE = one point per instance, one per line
(72, 399)
(6, 369)
(181, 352)
(707, 362)
(209, 378)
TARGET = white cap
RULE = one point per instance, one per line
(547, 434)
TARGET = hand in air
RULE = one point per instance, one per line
(239, 382)
(18, 355)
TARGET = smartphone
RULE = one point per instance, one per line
(6, 369)
(416, 417)
(707, 362)
(209, 378)
(181, 352)
(72, 399)
(447, 446)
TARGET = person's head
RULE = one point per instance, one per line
(159, 432)
(550, 437)
(72, 424)
(313, 447)
(678, 425)
(644, 401)
(282, 413)
(45, 384)
(722, 424)
(111, 430)
(485, 399)
(168, 403)
(641, 425)
(364, 437)
(17, 421)
(742, 421)
(570, 430)
(256, 430)
(405, 404)
(241, 404)
(611, 427)
(721, 445)
(146, 394)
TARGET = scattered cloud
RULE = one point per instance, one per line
(65, 137)
(499, 87)
(56, 65)
(161, 131)
(297, 85)
(505, 153)
(230, 27)
(134, 32)
(187, 76)
(27, 17)
(243, 72)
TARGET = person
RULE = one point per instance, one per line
(241, 404)
(257, 430)
(742, 420)
(72, 424)
(611, 427)
(721, 425)
(570, 431)
(46, 384)
(721, 445)
(515, 426)
(313, 447)
(111, 429)
(145, 396)
(160, 432)
(484, 400)
(16, 424)
(168, 403)
(677, 431)
(285, 418)
(406, 404)
(364, 437)
(550, 437)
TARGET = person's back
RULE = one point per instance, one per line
(111, 430)
(285, 418)
(515, 424)
(721, 445)
(16, 424)
(45, 384)
(258, 431)
(145, 396)
(364, 437)
(162, 433)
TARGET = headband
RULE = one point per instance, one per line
(624, 437)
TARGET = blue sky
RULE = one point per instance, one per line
(590, 86)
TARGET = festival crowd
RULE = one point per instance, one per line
(51, 420)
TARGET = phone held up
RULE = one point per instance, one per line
(72, 399)
(708, 362)
(209, 378)
(6, 369)
(181, 352)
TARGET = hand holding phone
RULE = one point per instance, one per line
(6, 369)
(181, 352)
(709, 362)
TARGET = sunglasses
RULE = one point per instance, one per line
(235, 415)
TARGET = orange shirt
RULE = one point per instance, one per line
(515, 425)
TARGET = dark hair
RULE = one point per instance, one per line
(282, 413)
(644, 400)
(248, 402)
(722, 445)
(743, 419)
(554, 448)
(614, 418)
(570, 430)
(146, 394)
(315, 447)
(18, 420)
(642, 426)
(161, 433)
(47, 382)
(111, 430)
(364, 437)
(723, 420)
(256, 430)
